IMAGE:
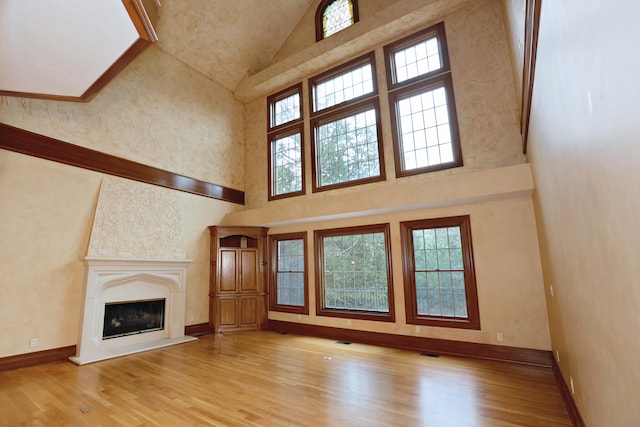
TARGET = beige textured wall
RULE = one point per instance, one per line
(484, 94)
(508, 275)
(514, 12)
(494, 187)
(583, 147)
(158, 112)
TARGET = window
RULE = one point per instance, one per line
(439, 277)
(335, 15)
(288, 282)
(423, 114)
(353, 273)
(286, 155)
(345, 126)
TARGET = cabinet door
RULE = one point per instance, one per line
(227, 312)
(228, 270)
(248, 310)
(248, 270)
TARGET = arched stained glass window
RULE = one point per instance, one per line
(335, 15)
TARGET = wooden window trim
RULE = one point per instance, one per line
(281, 130)
(273, 290)
(441, 80)
(408, 268)
(319, 273)
(290, 130)
(435, 30)
(320, 11)
(344, 112)
(368, 58)
(421, 83)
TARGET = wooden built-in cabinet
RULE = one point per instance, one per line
(238, 277)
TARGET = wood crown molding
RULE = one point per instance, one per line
(525, 356)
(531, 29)
(44, 147)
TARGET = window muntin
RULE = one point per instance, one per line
(347, 148)
(349, 85)
(286, 143)
(335, 15)
(289, 276)
(353, 273)
(345, 134)
(287, 163)
(439, 275)
(416, 60)
(423, 115)
(285, 107)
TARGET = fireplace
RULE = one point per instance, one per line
(132, 317)
(131, 306)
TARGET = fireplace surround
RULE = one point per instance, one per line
(111, 281)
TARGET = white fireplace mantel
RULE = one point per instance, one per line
(120, 280)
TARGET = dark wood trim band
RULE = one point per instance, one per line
(531, 29)
(44, 147)
(525, 356)
(198, 329)
(37, 358)
(572, 408)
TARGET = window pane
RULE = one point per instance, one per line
(425, 133)
(347, 149)
(337, 16)
(290, 272)
(344, 87)
(355, 272)
(286, 164)
(286, 110)
(416, 60)
(439, 272)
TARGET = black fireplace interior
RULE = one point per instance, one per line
(133, 317)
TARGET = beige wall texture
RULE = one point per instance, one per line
(583, 147)
(494, 186)
(158, 112)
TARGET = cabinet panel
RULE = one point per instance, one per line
(228, 275)
(248, 310)
(249, 270)
(227, 312)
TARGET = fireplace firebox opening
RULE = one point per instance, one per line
(133, 317)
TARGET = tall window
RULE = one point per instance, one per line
(353, 273)
(335, 15)
(288, 284)
(423, 114)
(345, 126)
(286, 155)
(439, 277)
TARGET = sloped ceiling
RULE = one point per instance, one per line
(46, 48)
(225, 39)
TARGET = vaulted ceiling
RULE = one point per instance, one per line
(61, 47)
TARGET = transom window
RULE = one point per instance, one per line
(423, 116)
(285, 135)
(439, 275)
(335, 15)
(289, 276)
(353, 273)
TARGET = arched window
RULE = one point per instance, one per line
(335, 15)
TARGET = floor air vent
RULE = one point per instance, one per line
(429, 354)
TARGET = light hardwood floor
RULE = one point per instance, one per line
(270, 379)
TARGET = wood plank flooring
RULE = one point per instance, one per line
(269, 379)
